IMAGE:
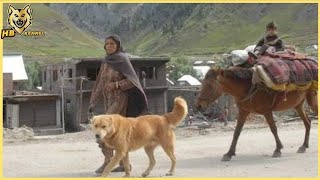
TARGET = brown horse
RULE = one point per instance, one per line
(261, 100)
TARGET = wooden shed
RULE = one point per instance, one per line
(35, 110)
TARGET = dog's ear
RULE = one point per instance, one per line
(10, 9)
(28, 9)
(111, 119)
(107, 120)
(110, 128)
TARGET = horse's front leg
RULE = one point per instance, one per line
(273, 128)
(242, 116)
(307, 124)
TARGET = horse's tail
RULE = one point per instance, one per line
(312, 100)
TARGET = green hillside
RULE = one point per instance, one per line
(74, 30)
(224, 32)
(62, 40)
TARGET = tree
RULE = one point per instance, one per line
(171, 29)
(165, 29)
(34, 75)
(205, 26)
(182, 66)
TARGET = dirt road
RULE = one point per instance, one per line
(77, 155)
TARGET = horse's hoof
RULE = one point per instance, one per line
(226, 157)
(301, 150)
(276, 154)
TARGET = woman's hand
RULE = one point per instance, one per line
(91, 108)
(111, 86)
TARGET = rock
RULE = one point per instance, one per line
(84, 127)
(204, 125)
(22, 133)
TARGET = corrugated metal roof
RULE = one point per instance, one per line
(13, 63)
(190, 79)
(201, 70)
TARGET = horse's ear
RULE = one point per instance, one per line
(216, 67)
(214, 72)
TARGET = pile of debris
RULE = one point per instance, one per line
(18, 133)
(85, 127)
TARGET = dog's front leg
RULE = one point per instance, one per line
(119, 155)
(126, 165)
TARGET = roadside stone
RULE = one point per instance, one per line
(20, 133)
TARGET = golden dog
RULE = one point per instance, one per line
(128, 134)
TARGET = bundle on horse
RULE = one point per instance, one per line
(259, 99)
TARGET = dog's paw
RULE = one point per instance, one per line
(144, 174)
(104, 175)
(169, 174)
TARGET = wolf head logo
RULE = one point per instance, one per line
(19, 19)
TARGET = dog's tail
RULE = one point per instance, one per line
(179, 112)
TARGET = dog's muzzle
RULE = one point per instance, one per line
(98, 139)
(19, 23)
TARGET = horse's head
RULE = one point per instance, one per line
(210, 89)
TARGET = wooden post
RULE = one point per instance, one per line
(80, 108)
(62, 103)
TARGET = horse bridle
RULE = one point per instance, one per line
(214, 91)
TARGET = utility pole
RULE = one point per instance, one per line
(62, 103)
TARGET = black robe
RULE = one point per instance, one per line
(137, 100)
(268, 40)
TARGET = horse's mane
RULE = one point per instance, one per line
(241, 73)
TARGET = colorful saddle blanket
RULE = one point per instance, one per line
(282, 72)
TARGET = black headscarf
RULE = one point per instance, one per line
(119, 61)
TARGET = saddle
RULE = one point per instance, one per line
(286, 71)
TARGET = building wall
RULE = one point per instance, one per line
(99, 108)
(157, 101)
(190, 95)
(70, 110)
(7, 84)
(38, 113)
(45, 72)
(86, 69)
(53, 83)
(70, 80)
(159, 79)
